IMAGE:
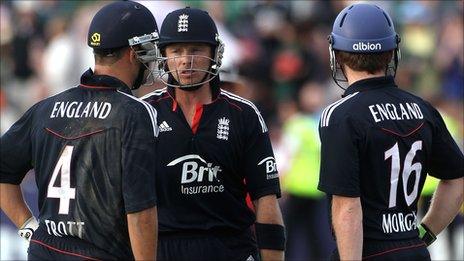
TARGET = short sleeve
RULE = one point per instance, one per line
(16, 150)
(339, 171)
(260, 168)
(446, 161)
(138, 160)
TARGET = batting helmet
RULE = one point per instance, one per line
(190, 25)
(126, 23)
(363, 28)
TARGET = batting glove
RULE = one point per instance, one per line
(28, 228)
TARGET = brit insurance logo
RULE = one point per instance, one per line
(198, 175)
(271, 167)
(223, 129)
(182, 23)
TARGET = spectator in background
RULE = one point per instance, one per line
(448, 243)
(304, 207)
(59, 57)
(450, 57)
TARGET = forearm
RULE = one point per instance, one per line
(347, 223)
(12, 203)
(446, 201)
(268, 212)
(143, 233)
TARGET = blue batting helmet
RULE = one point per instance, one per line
(363, 28)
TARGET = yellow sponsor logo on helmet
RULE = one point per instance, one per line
(95, 39)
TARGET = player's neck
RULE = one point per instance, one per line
(202, 95)
(188, 100)
(121, 75)
(354, 76)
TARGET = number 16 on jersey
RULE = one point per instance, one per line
(408, 169)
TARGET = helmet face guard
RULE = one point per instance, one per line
(169, 75)
(363, 28)
(147, 52)
(190, 26)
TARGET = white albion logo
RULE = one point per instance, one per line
(182, 23)
(223, 129)
(361, 46)
(164, 126)
(198, 176)
(271, 167)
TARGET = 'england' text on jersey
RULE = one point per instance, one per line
(76, 109)
(390, 111)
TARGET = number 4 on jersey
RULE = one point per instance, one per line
(408, 168)
(64, 192)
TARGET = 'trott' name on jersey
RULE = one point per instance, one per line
(390, 111)
(64, 228)
(74, 109)
(193, 175)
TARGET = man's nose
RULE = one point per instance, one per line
(186, 59)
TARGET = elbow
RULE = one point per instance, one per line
(454, 189)
(346, 211)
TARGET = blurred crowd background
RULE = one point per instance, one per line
(277, 56)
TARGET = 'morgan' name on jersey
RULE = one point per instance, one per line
(76, 109)
(399, 222)
(390, 111)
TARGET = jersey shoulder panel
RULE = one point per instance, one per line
(429, 111)
(139, 105)
(155, 96)
(246, 107)
(339, 110)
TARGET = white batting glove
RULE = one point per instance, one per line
(28, 228)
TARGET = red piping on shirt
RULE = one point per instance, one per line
(406, 135)
(197, 117)
(393, 250)
(174, 105)
(62, 251)
(72, 138)
(162, 98)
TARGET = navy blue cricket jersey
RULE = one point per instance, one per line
(92, 148)
(206, 171)
(378, 143)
